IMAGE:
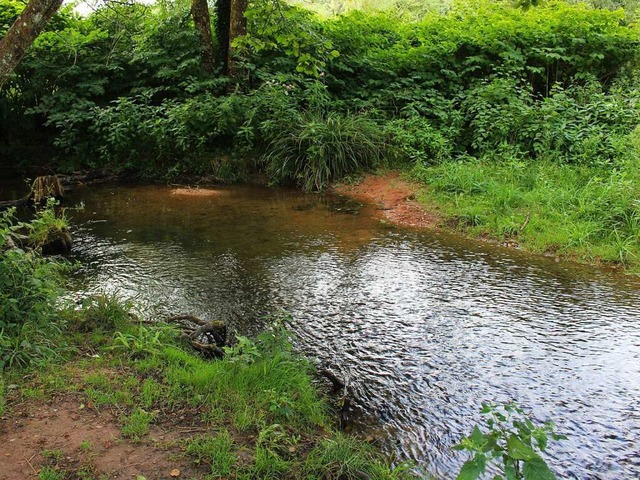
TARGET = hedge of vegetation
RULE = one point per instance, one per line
(521, 119)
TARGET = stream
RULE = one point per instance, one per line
(425, 326)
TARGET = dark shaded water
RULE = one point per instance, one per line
(424, 326)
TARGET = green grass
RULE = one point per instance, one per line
(216, 451)
(588, 213)
(271, 389)
(260, 407)
(3, 393)
(342, 456)
(136, 425)
(50, 473)
(102, 390)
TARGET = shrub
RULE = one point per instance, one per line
(323, 147)
(29, 285)
(511, 443)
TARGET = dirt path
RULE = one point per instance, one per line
(71, 438)
(394, 198)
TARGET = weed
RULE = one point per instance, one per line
(50, 473)
(143, 341)
(55, 456)
(216, 451)
(511, 443)
(137, 424)
(30, 328)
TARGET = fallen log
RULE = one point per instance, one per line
(14, 203)
(41, 189)
(47, 186)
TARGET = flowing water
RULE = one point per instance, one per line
(424, 326)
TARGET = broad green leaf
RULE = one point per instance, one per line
(510, 469)
(476, 436)
(472, 469)
(541, 438)
(537, 469)
(517, 449)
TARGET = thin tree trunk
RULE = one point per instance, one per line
(22, 34)
(223, 15)
(237, 28)
(202, 21)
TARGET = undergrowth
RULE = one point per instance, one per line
(588, 213)
(30, 322)
(263, 411)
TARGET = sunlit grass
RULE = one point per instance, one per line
(585, 212)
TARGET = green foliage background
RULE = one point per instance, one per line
(500, 108)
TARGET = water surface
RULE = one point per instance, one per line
(424, 326)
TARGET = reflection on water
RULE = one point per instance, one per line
(424, 326)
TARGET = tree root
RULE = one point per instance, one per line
(208, 338)
(344, 403)
(55, 186)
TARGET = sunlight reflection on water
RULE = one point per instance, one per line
(424, 326)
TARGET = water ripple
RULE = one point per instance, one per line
(424, 327)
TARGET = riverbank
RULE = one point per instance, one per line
(566, 212)
(133, 402)
(90, 390)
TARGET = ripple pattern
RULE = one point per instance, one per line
(424, 327)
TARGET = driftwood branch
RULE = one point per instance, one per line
(205, 337)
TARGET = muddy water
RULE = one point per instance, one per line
(425, 327)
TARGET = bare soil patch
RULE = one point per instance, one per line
(394, 197)
(67, 435)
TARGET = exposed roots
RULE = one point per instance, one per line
(205, 337)
(46, 187)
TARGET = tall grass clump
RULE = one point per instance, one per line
(322, 147)
(345, 457)
(255, 384)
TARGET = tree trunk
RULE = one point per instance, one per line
(223, 15)
(237, 28)
(202, 21)
(22, 33)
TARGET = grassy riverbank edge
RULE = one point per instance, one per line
(257, 413)
(569, 212)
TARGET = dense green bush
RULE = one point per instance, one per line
(116, 91)
(383, 59)
(29, 288)
(481, 79)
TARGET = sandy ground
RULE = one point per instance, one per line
(394, 198)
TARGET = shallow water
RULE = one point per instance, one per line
(424, 326)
